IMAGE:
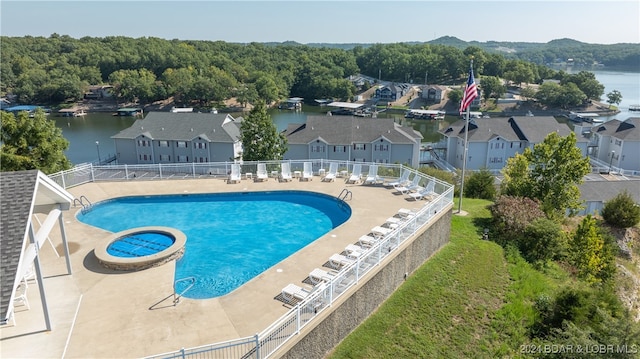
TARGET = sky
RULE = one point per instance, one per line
(302, 21)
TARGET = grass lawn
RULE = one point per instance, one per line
(447, 308)
(472, 299)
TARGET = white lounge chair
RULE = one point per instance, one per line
(292, 293)
(380, 232)
(332, 174)
(356, 174)
(235, 175)
(354, 251)
(285, 172)
(307, 171)
(318, 276)
(372, 176)
(406, 213)
(261, 172)
(414, 185)
(404, 179)
(338, 260)
(367, 240)
(424, 192)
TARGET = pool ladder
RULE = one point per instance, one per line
(86, 207)
(344, 194)
(176, 297)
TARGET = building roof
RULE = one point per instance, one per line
(523, 128)
(628, 130)
(22, 193)
(345, 130)
(603, 191)
(184, 127)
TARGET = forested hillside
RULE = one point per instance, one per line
(59, 69)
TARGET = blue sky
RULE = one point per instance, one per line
(596, 22)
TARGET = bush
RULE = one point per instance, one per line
(621, 211)
(512, 215)
(480, 185)
(542, 241)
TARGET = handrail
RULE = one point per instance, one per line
(176, 299)
(346, 193)
(85, 206)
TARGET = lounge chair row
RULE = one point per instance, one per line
(307, 173)
(412, 188)
(319, 277)
(356, 174)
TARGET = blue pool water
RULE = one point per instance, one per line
(231, 237)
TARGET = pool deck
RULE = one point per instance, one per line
(99, 313)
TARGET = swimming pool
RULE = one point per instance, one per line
(231, 237)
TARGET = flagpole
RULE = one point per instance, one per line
(464, 159)
(466, 141)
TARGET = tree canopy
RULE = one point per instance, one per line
(550, 173)
(32, 143)
(260, 137)
(60, 68)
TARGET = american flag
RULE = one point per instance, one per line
(470, 93)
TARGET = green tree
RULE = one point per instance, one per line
(590, 252)
(550, 173)
(621, 211)
(260, 137)
(32, 143)
(492, 87)
(614, 97)
(481, 185)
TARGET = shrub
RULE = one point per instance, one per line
(480, 185)
(512, 215)
(621, 211)
(542, 241)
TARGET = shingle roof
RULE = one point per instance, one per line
(628, 130)
(17, 190)
(341, 130)
(184, 127)
(606, 190)
(524, 128)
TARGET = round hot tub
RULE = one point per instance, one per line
(141, 248)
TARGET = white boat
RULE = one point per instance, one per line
(634, 107)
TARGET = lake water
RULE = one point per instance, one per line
(83, 132)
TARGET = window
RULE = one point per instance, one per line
(359, 146)
(165, 158)
(183, 158)
(181, 144)
(317, 148)
(339, 148)
(200, 145)
(163, 143)
(144, 143)
(381, 147)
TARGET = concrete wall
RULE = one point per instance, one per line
(336, 322)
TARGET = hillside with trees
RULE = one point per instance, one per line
(58, 69)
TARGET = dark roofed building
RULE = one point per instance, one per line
(493, 140)
(352, 138)
(617, 143)
(166, 137)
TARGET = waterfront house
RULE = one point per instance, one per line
(433, 93)
(166, 137)
(351, 138)
(617, 143)
(391, 92)
(493, 140)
